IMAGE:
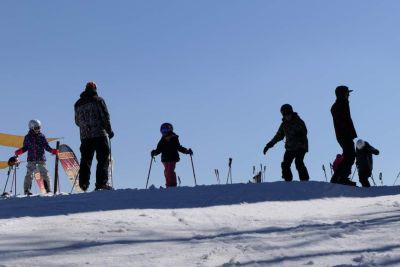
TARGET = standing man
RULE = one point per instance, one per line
(345, 134)
(294, 130)
(93, 119)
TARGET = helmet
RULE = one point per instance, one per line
(166, 128)
(34, 124)
(91, 86)
(286, 109)
(360, 144)
(13, 161)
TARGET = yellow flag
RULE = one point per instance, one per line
(16, 141)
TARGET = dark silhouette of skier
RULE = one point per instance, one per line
(294, 130)
(345, 135)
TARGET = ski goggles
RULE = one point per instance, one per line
(165, 130)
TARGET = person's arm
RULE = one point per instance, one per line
(181, 148)
(24, 148)
(105, 116)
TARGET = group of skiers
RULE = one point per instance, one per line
(93, 119)
(294, 130)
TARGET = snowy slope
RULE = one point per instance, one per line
(270, 224)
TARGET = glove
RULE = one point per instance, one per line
(54, 152)
(268, 146)
(19, 152)
(189, 151)
(153, 153)
(111, 134)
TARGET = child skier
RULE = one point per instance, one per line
(35, 143)
(169, 146)
(364, 162)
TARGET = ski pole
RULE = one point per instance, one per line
(8, 176)
(323, 168)
(265, 169)
(372, 177)
(194, 175)
(396, 179)
(148, 176)
(229, 171)
(380, 178)
(331, 166)
(73, 186)
(111, 162)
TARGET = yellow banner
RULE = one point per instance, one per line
(3, 164)
(16, 141)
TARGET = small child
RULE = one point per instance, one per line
(169, 146)
(364, 161)
(35, 143)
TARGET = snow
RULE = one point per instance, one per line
(269, 224)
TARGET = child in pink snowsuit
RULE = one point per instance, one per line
(169, 147)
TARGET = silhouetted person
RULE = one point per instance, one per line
(364, 161)
(294, 130)
(93, 119)
(345, 134)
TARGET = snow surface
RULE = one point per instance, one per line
(269, 224)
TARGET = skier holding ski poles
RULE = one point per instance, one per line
(294, 130)
(36, 143)
(364, 161)
(169, 147)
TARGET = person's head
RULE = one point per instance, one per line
(91, 86)
(287, 111)
(342, 92)
(35, 125)
(166, 129)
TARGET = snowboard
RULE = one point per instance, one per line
(70, 164)
(39, 182)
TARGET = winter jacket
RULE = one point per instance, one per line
(295, 132)
(364, 160)
(168, 147)
(91, 115)
(36, 144)
(344, 127)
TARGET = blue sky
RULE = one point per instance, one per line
(218, 70)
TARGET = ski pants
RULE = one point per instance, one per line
(363, 176)
(33, 167)
(169, 173)
(343, 170)
(89, 146)
(298, 157)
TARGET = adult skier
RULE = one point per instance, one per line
(294, 130)
(364, 161)
(36, 143)
(169, 146)
(345, 134)
(93, 120)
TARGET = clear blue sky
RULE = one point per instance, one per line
(218, 70)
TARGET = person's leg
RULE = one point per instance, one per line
(288, 158)
(103, 161)
(363, 178)
(343, 170)
(169, 173)
(87, 153)
(44, 173)
(301, 167)
(30, 170)
(349, 156)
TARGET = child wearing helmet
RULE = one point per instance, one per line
(169, 147)
(36, 143)
(364, 161)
